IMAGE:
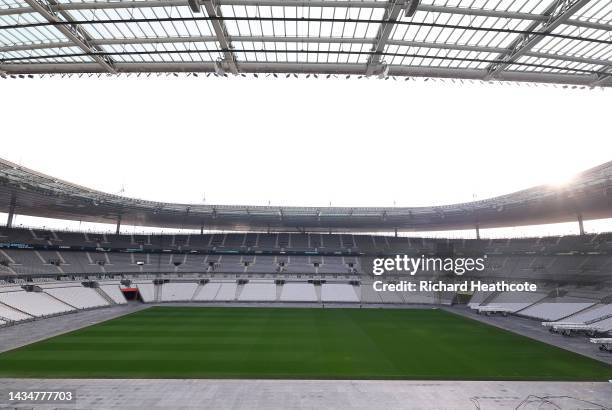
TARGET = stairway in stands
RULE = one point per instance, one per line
(197, 291)
(107, 298)
(157, 293)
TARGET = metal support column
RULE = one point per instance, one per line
(118, 225)
(11, 212)
(213, 9)
(580, 224)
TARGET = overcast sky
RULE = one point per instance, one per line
(303, 141)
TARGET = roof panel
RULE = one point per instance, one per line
(596, 11)
(449, 38)
(11, 4)
(28, 35)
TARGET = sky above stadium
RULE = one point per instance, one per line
(303, 141)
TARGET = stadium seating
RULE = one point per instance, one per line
(553, 309)
(596, 312)
(226, 292)
(172, 292)
(479, 297)
(562, 258)
(338, 292)
(147, 292)
(262, 291)
(369, 295)
(9, 314)
(78, 297)
(34, 303)
(516, 301)
(238, 267)
(605, 325)
(114, 292)
(419, 297)
(298, 292)
(207, 293)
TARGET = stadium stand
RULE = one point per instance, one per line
(9, 314)
(207, 292)
(179, 291)
(605, 325)
(34, 303)
(552, 309)
(78, 297)
(419, 297)
(298, 292)
(147, 291)
(226, 292)
(515, 301)
(261, 291)
(594, 314)
(114, 292)
(313, 268)
(369, 295)
(338, 292)
(561, 259)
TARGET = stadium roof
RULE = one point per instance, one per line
(548, 41)
(26, 192)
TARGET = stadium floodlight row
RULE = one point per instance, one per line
(548, 41)
(27, 192)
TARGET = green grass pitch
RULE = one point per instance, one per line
(200, 342)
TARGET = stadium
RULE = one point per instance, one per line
(459, 298)
(287, 274)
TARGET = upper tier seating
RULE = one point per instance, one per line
(556, 258)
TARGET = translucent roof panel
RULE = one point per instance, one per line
(150, 29)
(516, 6)
(436, 57)
(446, 28)
(592, 43)
(285, 22)
(554, 66)
(320, 52)
(12, 4)
(27, 35)
(46, 56)
(596, 12)
(505, 40)
(163, 52)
